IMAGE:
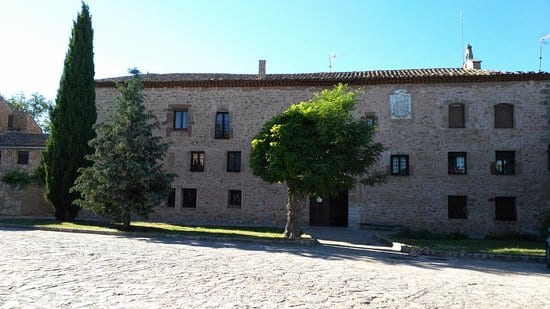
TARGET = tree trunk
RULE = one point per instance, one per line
(294, 215)
(126, 220)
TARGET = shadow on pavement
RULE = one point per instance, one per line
(362, 245)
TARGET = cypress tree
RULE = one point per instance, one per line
(72, 119)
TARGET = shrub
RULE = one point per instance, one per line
(17, 177)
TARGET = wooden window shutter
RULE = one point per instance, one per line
(456, 116)
(504, 115)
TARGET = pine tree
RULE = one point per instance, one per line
(127, 176)
(72, 119)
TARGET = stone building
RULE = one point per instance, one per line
(467, 149)
(21, 140)
(21, 146)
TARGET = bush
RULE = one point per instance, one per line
(18, 178)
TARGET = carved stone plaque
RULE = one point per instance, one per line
(400, 104)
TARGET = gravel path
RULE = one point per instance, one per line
(65, 270)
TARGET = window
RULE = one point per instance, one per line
(456, 115)
(10, 121)
(189, 198)
(548, 153)
(222, 125)
(505, 208)
(180, 119)
(233, 161)
(504, 163)
(23, 157)
(457, 163)
(370, 117)
(399, 165)
(171, 201)
(504, 115)
(197, 161)
(457, 207)
(234, 198)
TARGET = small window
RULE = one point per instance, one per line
(10, 121)
(222, 125)
(504, 163)
(233, 161)
(371, 121)
(23, 157)
(189, 198)
(234, 198)
(456, 115)
(197, 161)
(457, 163)
(505, 208)
(180, 119)
(171, 201)
(399, 165)
(457, 207)
(504, 115)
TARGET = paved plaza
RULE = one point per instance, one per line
(40, 269)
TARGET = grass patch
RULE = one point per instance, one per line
(460, 243)
(153, 227)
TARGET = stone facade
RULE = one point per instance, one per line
(418, 200)
(21, 146)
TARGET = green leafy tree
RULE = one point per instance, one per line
(127, 175)
(316, 148)
(72, 119)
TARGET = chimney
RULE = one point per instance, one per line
(261, 70)
(469, 62)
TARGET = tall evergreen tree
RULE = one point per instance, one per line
(72, 119)
(127, 176)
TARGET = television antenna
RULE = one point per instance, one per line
(544, 40)
(331, 57)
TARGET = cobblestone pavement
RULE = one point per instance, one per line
(65, 270)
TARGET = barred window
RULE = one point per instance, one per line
(233, 161)
(456, 163)
(23, 157)
(189, 198)
(171, 201)
(399, 165)
(234, 199)
(197, 161)
(222, 125)
(505, 162)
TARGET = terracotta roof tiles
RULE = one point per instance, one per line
(436, 75)
(22, 140)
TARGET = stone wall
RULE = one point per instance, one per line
(26, 201)
(8, 159)
(417, 201)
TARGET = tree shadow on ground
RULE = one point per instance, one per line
(386, 255)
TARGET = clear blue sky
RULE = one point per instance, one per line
(229, 36)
